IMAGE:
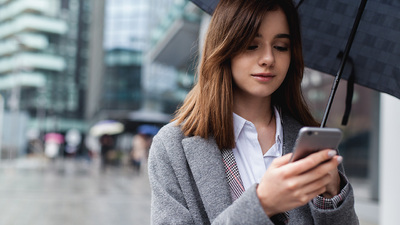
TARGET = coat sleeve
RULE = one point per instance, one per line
(245, 210)
(343, 215)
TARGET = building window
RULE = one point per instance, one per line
(64, 4)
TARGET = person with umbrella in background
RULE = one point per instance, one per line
(140, 145)
(105, 130)
(225, 158)
(106, 146)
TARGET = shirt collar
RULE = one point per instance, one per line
(239, 122)
(279, 129)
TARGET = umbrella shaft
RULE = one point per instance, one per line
(335, 84)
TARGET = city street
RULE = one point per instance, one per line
(71, 191)
(68, 191)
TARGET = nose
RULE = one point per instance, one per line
(267, 57)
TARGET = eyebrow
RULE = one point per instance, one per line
(277, 36)
(282, 36)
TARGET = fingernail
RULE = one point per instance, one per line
(340, 159)
(332, 153)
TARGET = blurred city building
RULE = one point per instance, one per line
(43, 65)
(169, 66)
(121, 29)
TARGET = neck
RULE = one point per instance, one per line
(258, 111)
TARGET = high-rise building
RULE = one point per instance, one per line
(171, 60)
(43, 61)
(74, 47)
(118, 91)
(125, 32)
(30, 32)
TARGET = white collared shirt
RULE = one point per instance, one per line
(251, 163)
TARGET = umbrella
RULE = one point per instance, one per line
(52, 144)
(147, 129)
(329, 28)
(104, 127)
(54, 138)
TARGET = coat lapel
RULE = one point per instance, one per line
(205, 161)
(290, 129)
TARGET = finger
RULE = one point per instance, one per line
(317, 183)
(325, 166)
(278, 162)
(310, 180)
(322, 171)
(306, 195)
(316, 192)
(312, 190)
(312, 161)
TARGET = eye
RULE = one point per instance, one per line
(252, 47)
(281, 48)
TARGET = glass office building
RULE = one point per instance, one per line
(126, 28)
(43, 62)
(125, 35)
(170, 62)
(30, 33)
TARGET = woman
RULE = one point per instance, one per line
(225, 158)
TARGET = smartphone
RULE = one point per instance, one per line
(313, 139)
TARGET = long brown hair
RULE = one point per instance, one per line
(208, 108)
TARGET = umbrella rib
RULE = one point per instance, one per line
(299, 4)
(335, 84)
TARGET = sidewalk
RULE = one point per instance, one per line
(65, 192)
(72, 192)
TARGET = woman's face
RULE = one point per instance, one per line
(262, 67)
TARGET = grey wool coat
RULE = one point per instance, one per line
(189, 185)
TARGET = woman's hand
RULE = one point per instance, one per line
(285, 186)
(333, 188)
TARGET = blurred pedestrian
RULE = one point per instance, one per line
(106, 148)
(53, 145)
(140, 147)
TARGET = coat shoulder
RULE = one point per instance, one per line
(168, 140)
(170, 132)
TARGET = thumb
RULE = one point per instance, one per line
(278, 162)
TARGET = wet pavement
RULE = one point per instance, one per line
(67, 191)
(70, 191)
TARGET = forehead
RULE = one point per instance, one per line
(274, 23)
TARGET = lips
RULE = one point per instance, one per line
(263, 76)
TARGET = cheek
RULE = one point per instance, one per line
(237, 68)
(235, 78)
(286, 60)
(284, 65)
(240, 61)
(235, 65)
